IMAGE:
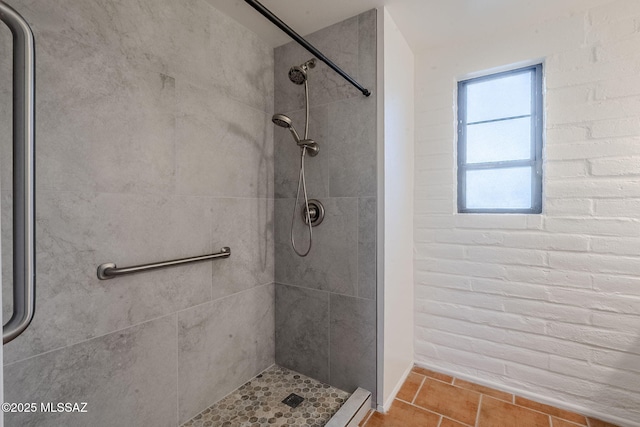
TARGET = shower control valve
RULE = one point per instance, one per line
(316, 213)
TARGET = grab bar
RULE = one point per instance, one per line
(109, 270)
(24, 281)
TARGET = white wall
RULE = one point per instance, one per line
(398, 208)
(548, 305)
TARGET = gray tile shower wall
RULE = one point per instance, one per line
(332, 264)
(126, 378)
(154, 142)
(229, 340)
(302, 330)
(325, 303)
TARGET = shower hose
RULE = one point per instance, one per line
(303, 183)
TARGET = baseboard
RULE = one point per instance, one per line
(396, 389)
(532, 396)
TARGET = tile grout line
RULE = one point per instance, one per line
(418, 391)
(177, 373)
(426, 410)
(53, 191)
(325, 104)
(357, 230)
(481, 392)
(557, 416)
(444, 417)
(560, 417)
(211, 221)
(513, 402)
(162, 316)
(439, 380)
(365, 420)
(477, 424)
(280, 282)
(371, 412)
(92, 338)
(513, 399)
(328, 337)
(456, 386)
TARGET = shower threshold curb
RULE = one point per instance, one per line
(353, 411)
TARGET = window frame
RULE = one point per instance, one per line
(535, 160)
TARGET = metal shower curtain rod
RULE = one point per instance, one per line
(302, 42)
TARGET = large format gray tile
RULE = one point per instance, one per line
(6, 253)
(127, 378)
(188, 39)
(242, 64)
(287, 156)
(102, 125)
(332, 263)
(128, 29)
(352, 148)
(367, 50)
(245, 225)
(93, 114)
(367, 247)
(224, 148)
(79, 231)
(221, 345)
(302, 331)
(339, 42)
(353, 343)
(106, 96)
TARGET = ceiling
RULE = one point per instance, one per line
(424, 23)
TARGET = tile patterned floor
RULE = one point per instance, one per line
(431, 399)
(258, 403)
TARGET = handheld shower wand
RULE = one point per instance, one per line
(285, 122)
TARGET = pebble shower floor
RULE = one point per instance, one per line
(258, 403)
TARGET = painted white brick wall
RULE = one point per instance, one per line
(546, 304)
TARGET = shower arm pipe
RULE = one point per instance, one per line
(24, 281)
(110, 270)
(302, 42)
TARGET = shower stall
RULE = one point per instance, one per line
(326, 302)
(156, 141)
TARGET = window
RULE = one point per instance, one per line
(500, 142)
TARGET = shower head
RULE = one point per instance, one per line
(282, 121)
(298, 73)
(285, 122)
